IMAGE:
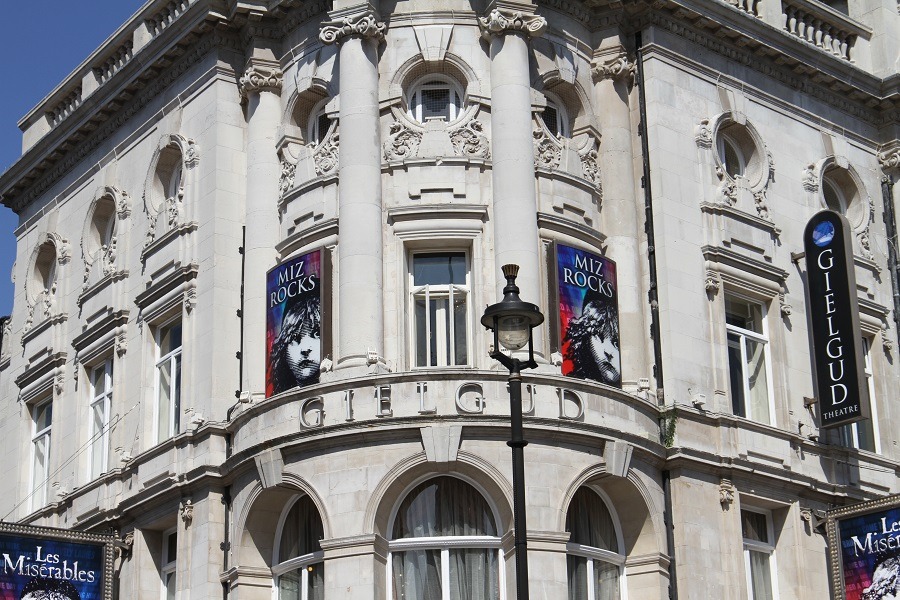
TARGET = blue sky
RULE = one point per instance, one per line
(40, 44)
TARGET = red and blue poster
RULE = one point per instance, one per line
(294, 323)
(870, 555)
(33, 568)
(588, 316)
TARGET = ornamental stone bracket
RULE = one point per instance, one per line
(726, 493)
(703, 134)
(618, 68)
(364, 25)
(810, 179)
(547, 149)
(889, 156)
(326, 156)
(259, 78)
(504, 21)
(590, 163)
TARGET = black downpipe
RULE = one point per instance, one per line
(226, 545)
(240, 352)
(653, 298)
(890, 225)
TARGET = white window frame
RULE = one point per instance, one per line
(298, 562)
(439, 291)
(768, 548)
(762, 338)
(849, 434)
(723, 139)
(444, 543)
(316, 136)
(167, 566)
(173, 357)
(455, 103)
(103, 400)
(39, 485)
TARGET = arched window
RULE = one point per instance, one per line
(300, 571)
(319, 124)
(731, 156)
(595, 561)
(834, 197)
(444, 544)
(435, 98)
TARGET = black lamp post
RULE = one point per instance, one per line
(512, 321)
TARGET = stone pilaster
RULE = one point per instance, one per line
(515, 203)
(261, 87)
(613, 72)
(360, 298)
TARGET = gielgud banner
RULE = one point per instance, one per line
(588, 315)
(38, 563)
(864, 542)
(293, 323)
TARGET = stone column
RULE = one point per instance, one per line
(512, 176)
(614, 73)
(360, 298)
(261, 87)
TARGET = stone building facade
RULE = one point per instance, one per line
(689, 141)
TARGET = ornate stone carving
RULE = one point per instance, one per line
(190, 300)
(703, 134)
(326, 155)
(619, 67)
(886, 342)
(402, 142)
(501, 22)
(786, 309)
(810, 179)
(759, 199)
(362, 25)
(712, 283)
(890, 158)
(258, 78)
(865, 246)
(121, 344)
(59, 382)
(547, 151)
(727, 191)
(286, 180)
(469, 140)
(123, 206)
(726, 493)
(63, 249)
(590, 165)
(187, 511)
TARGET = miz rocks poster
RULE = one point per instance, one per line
(35, 567)
(869, 550)
(588, 316)
(293, 323)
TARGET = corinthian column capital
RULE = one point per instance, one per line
(503, 21)
(889, 156)
(619, 67)
(257, 78)
(363, 24)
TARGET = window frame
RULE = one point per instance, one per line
(758, 337)
(768, 548)
(415, 291)
(593, 554)
(849, 434)
(562, 117)
(455, 103)
(315, 135)
(175, 359)
(839, 196)
(105, 398)
(297, 562)
(444, 543)
(724, 139)
(39, 489)
(168, 567)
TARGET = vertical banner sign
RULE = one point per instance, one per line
(38, 563)
(834, 320)
(864, 543)
(294, 323)
(588, 316)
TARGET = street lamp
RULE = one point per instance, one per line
(512, 321)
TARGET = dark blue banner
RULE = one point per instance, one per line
(33, 568)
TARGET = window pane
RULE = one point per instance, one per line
(743, 314)
(421, 333)
(577, 570)
(731, 158)
(551, 118)
(474, 574)
(302, 531)
(866, 435)
(443, 506)
(322, 124)
(315, 583)
(417, 575)
(176, 392)
(736, 375)
(165, 400)
(439, 269)
(435, 103)
(98, 380)
(589, 521)
(459, 328)
(43, 416)
(170, 586)
(754, 526)
(289, 586)
(440, 332)
(169, 338)
(606, 581)
(758, 383)
(760, 576)
(41, 445)
(171, 548)
(98, 423)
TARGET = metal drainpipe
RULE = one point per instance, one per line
(890, 225)
(226, 544)
(653, 298)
